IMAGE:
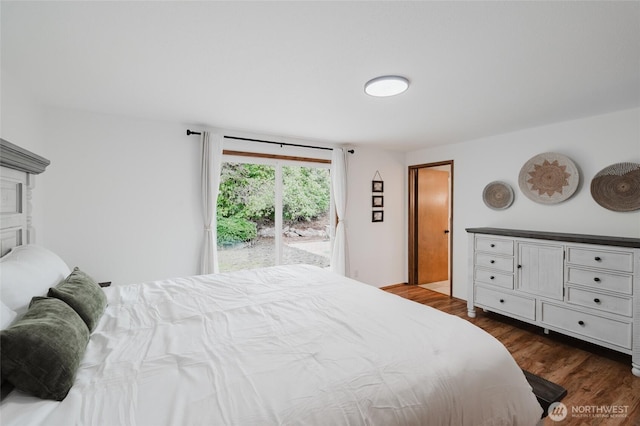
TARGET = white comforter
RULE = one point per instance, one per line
(292, 345)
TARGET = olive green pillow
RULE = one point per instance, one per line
(83, 294)
(41, 351)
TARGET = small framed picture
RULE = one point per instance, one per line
(377, 186)
(377, 201)
(377, 216)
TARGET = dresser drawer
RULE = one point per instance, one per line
(491, 245)
(600, 280)
(604, 302)
(614, 260)
(508, 303)
(593, 326)
(495, 262)
(495, 278)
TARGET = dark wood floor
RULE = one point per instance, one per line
(593, 376)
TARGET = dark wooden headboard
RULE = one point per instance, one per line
(17, 169)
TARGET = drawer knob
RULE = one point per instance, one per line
(596, 279)
(493, 245)
(581, 322)
(501, 300)
(492, 261)
(597, 259)
(492, 277)
(596, 300)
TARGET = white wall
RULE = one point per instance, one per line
(122, 194)
(592, 143)
(377, 250)
(122, 198)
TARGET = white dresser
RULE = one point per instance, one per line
(585, 286)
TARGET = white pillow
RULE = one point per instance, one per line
(28, 271)
(7, 316)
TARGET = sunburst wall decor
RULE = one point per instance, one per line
(548, 178)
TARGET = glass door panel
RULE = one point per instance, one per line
(306, 201)
(246, 216)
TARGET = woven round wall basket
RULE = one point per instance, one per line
(549, 178)
(497, 195)
(617, 187)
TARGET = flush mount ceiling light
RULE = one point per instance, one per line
(387, 85)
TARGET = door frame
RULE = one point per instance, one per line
(413, 222)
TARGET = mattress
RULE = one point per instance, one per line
(286, 345)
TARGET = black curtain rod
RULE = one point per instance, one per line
(351, 151)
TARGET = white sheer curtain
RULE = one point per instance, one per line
(339, 183)
(210, 175)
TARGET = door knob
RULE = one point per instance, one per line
(446, 231)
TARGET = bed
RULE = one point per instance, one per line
(285, 345)
(282, 345)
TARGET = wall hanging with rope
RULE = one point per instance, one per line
(377, 199)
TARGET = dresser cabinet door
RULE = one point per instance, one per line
(541, 269)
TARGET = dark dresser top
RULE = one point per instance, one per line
(559, 236)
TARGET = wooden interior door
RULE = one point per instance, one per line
(432, 225)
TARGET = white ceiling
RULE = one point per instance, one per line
(297, 69)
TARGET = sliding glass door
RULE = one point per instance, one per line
(273, 212)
